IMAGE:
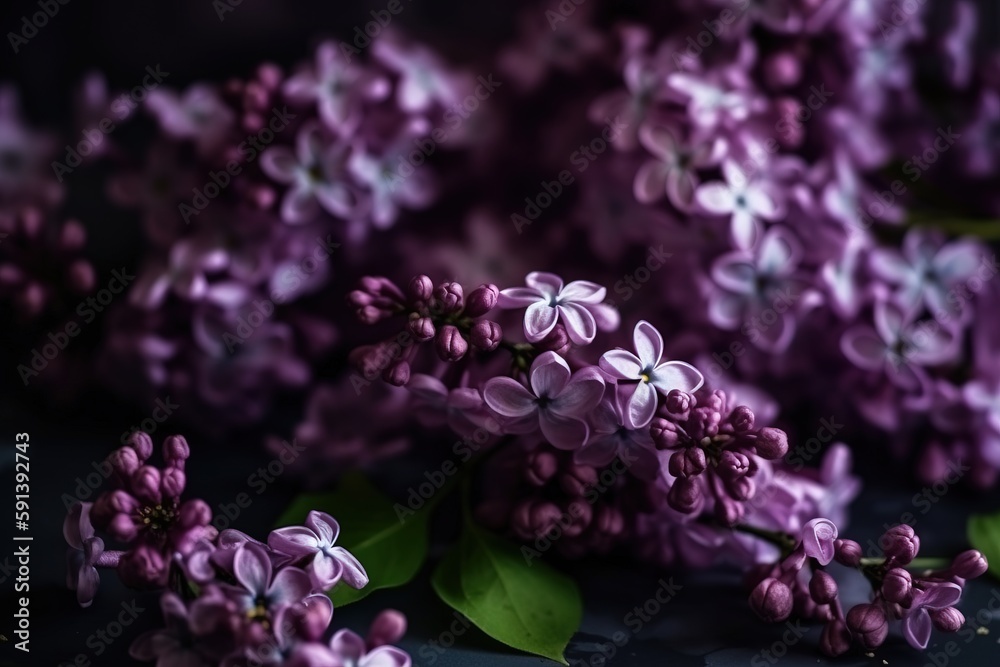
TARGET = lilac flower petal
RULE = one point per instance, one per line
(290, 585)
(519, 297)
(508, 397)
(548, 284)
(581, 394)
(280, 164)
(889, 265)
(648, 344)
(659, 140)
(863, 347)
(605, 316)
(87, 583)
(337, 199)
(939, 596)
(580, 324)
(348, 645)
(779, 252)
(641, 406)
(252, 568)
(650, 183)
(715, 197)
(354, 573)
(917, 628)
(679, 375)
(324, 525)
(598, 452)
(299, 206)
(539, 320)
(563, 432)
(817, 540)
(387, 656)
(549, 375)
(583, 291)
(725, 310)
(681, 187)
(744, 229)
(621, 364)
(763, 204)
(326, 570)
(296, 541)
(735, 272)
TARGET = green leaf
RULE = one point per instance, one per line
(391, 548)
(530, 607)
(986, 229)
(984, 534)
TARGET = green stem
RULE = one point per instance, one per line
(783, 541)
(915, 564)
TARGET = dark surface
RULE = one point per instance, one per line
(706, 623)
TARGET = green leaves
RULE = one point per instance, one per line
(988, 230)
(529, 607)
(984, 534)
(391, 548)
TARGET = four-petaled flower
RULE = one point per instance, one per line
(917, 619)
(652, 374)
(316, 539)
(579, 306)
(746, 200)
(556, 402)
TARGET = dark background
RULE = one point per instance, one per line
(707, 624)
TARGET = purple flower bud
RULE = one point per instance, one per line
(819, 540)
(822, 587)
(123, 528)
(371, 314)
(449, 297)
(194, 513)
(486, 335)
(422, 329)
(742, 419)
(124, 461)
(771, 600)
(482, 300)
(541, 467)
(664, 433)
(360, 299)
(397, 374)
(948, 619)
(729, 511)
(900, 543)
(450, 344)
(847, 552)
(869, 624)
(387, 628)
(172, 483)
(142, 444)
(609, 520)
(688, 462)
(146, 484)
(684, 495)
(543, 517)
(421, 288)
(678, 404)
(772, 443)
(143, 567)
(580, 514)
(556, 341)
(969, 564)
(741, 488)
(176, 450)
(577, 480)
(835, 639)
(382, 287)
(732, 465)
(896, 585)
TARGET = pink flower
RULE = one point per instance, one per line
(557, 398)
(653, 375)
(579, 306)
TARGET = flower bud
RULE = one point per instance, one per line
(123, 528)
(172, 483)
(397, 374)
(688, 462)
(110, 504)
(383, 287)
(449, 297)
(729, 511)
(143, 567)
(450, 344)
(422, 329)
(371, 314)
(835, 639)
(486, 335)
(684, 495)
(482, 300)
(142, 444)
(81, 276)
(544, 516)
(387, 628)
(576, 518)
(869, 624)
(847, 552)
(948, 619)
(146, 484)
(822, 587)
(421, 288)
(124, 461)
(742, 419)
(741, 488)
(969, 564)
(896, 585)
(732, 465)
(772, 443)
(577, 480)
(679, 404)
(556, 341)
(609, 520)
(194, 513)
(771, 600)
(900, 543)
(542, 465)
(176, 450)
(664, 433)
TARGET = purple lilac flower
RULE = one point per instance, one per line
(674, 172)
(652, 374)
(199, 115)
(579, 305)
(556, 401)
(747, 200)
(315, 542)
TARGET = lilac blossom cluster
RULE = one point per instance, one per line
(227, 597)
(800, 584)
